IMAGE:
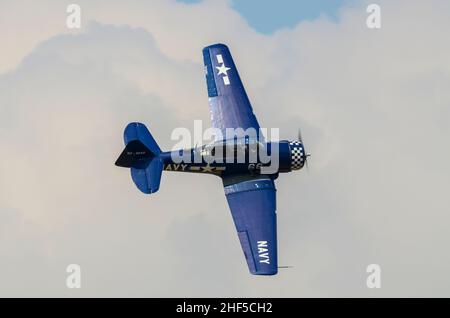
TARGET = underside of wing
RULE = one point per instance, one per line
(228, 102)
(253, 207)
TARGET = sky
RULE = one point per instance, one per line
(373, 105)
(268, 16)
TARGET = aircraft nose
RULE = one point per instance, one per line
(298, 155)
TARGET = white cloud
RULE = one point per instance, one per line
(373, 105)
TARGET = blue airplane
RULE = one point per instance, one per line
(248, 183)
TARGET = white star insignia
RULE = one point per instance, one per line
(210, 169)
(223, 69)
(207, 168)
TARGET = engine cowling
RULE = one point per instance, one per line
(292, 155)
(298, 155)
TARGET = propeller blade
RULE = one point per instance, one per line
(300, 138)
(300, 135)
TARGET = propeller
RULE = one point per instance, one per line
(300, 138)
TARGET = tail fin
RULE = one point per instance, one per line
(141, 154)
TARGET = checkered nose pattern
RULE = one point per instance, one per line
(297, 155)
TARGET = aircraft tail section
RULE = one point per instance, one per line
(142, 156)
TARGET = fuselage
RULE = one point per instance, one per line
(237, 157)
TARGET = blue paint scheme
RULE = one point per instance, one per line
(138, 131)
(209, 73)
(142, 156)
(249, 186)
(253, 207)
(228, 104)
(193, 159)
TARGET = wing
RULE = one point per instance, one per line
(253, 207)
(228, 102)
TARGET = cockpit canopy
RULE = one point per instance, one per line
(233, 149)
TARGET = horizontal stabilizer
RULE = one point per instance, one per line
(148, 180)
(138, 131)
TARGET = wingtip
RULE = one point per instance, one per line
(272, 272)
(265, 273)
(215, 46)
